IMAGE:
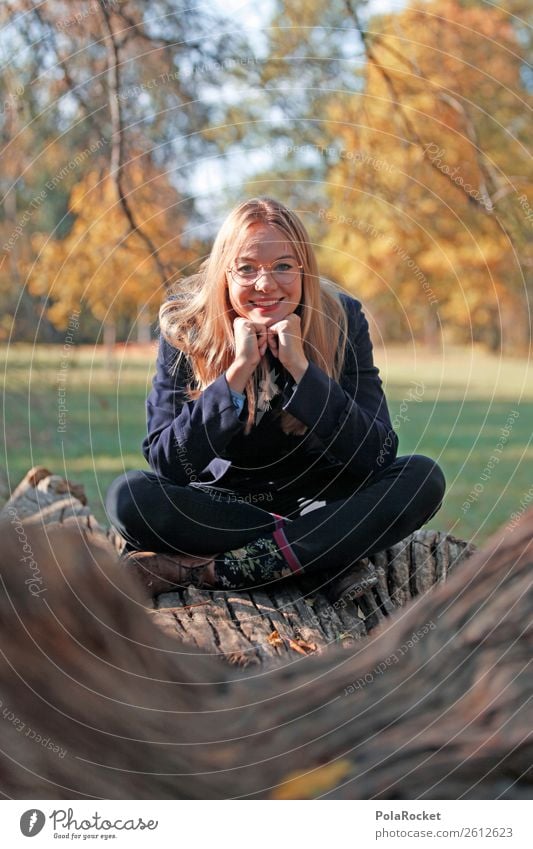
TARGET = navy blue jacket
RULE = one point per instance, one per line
(203, 441)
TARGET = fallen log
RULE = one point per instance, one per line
(43, 498)
(98, 702)
(268, 626)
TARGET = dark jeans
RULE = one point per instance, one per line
(336, 519)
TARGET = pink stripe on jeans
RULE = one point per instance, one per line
(285, 548)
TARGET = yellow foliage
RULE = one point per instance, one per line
(413, 174)
(101, 263)
(313, 783)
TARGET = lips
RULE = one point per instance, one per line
(266, 303)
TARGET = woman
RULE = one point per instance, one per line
(269, 438)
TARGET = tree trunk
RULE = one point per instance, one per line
(42, 498)
(100, 701)
(432, 329)
(110, 338)
(268, 626)
(144, 334)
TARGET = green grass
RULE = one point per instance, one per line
(466, 397)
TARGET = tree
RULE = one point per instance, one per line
(403, 142)
(117, 79)
(101, 264)
(429, 154)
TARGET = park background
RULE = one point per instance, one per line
(398, 132)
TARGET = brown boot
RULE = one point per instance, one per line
(354, 582)
(163, 572)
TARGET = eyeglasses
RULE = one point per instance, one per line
(284, 272)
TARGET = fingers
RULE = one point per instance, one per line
(285, 342)
(280, 335)
(273, 341)
(262, 338)
(251, 339)
(243, 325)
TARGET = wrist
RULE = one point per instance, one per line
(297, 370)
(238, 375)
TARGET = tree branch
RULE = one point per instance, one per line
(73, 87)
(414, 136)
(117, 143)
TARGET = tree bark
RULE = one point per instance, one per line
(267, 626)
(100, 702)
(42, 498)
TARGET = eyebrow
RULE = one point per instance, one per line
(254, 259)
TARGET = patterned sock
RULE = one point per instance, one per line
(259, 562)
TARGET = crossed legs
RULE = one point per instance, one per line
(335, 520)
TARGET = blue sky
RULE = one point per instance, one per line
(251, 15)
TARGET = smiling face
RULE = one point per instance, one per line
(266, 301)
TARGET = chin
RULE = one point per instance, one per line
(260, 317)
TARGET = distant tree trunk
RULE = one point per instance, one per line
(432, 328)
(110, 338)
(516, 326)
(144, 328)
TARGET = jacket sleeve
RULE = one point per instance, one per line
(185, 436)
(350, 417)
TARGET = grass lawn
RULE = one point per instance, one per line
(462, 407)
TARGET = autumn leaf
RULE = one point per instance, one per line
(344, 637)
(302, 647)
(309, 785)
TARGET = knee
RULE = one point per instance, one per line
(428, 480)
(125, 497)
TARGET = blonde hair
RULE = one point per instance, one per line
(198, 317)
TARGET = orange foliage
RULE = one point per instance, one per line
(101, 264)
(423, 151)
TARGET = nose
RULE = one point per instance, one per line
(265, 280)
